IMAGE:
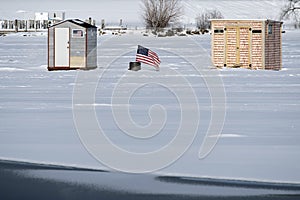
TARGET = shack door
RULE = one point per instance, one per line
(62, 44)
(237, 47)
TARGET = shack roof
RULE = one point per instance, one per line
(263, 20)
(77, 22)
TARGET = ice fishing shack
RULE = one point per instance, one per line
(72, 44)
(252, 44)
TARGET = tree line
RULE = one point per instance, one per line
(159, 14)
(291, 10)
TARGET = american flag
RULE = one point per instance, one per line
(147, 56)
(77, 33)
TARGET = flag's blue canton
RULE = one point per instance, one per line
(143, 51)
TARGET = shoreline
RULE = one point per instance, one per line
(33, 181)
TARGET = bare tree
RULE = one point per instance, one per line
(202, 20)
(291, 9)
(159, 13)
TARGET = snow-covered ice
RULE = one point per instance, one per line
(260, 139)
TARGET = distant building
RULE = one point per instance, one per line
(251, 44)
(114, 28)
(41, 16)
(72, 44)
(39, 22)
(56, 17)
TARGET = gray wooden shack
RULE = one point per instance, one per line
(252, 44)
(72, 44)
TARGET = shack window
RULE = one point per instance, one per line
(256, 31)
(77, 33)
(270, 29)
(218, 31)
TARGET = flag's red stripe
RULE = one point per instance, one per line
(154, 56)
(151, 59)
(146, 62)
(146, 59)
(156, 60)
(142, 57)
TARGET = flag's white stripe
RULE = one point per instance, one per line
(155, 57)
(157, 63)
(151, 59)
(146, 58)
(153, 53)
(156, 60)
(147, 62)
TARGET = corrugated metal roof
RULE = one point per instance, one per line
(77, 22)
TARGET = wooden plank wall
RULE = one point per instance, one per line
(273, 59)
(218, 47)
(246, 44)
(231, 44)
(257, 45)
(244, 54)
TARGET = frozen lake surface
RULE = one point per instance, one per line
(260, 139)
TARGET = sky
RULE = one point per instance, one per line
(100, 9)
(130, 10)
